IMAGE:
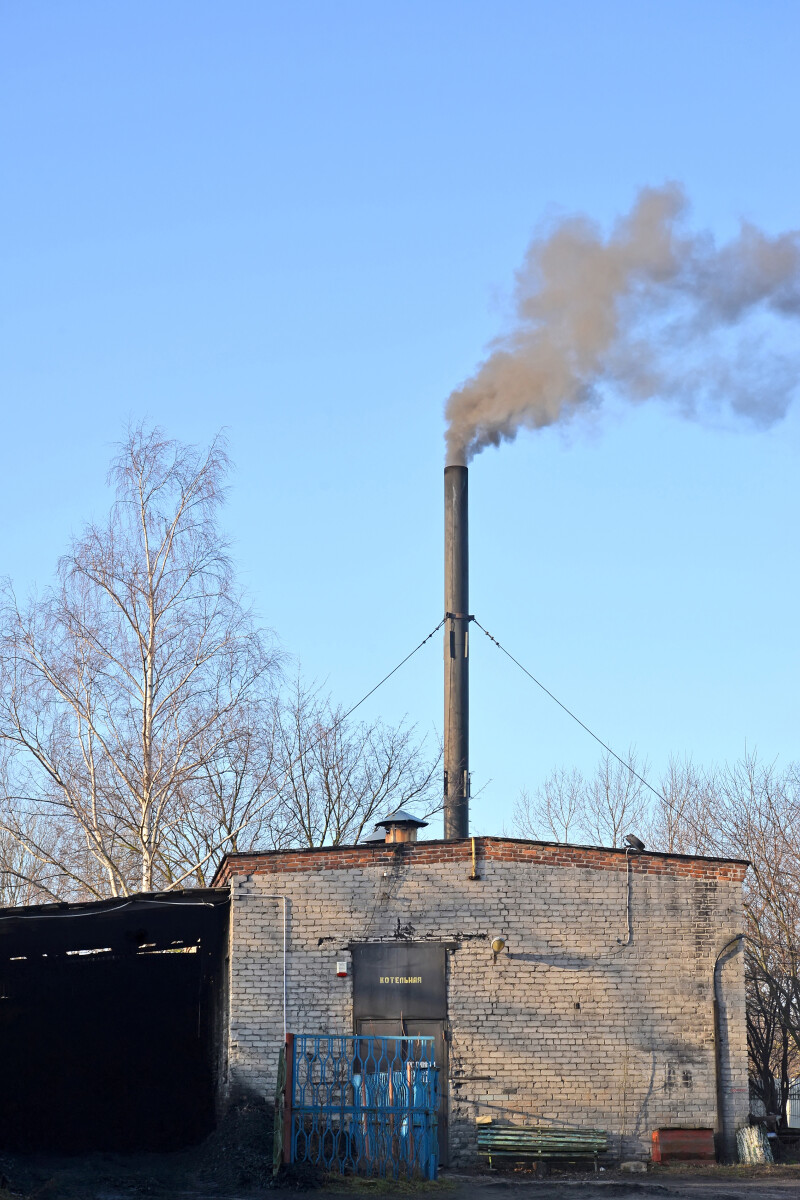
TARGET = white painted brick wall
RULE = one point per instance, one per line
(570, 1026)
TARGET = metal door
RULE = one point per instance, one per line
(399, 989)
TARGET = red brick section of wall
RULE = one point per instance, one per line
(543, 854)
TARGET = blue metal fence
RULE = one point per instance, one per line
(366, 1105)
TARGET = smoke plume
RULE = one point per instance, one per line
(650, 311)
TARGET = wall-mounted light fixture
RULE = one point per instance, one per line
(498, 944)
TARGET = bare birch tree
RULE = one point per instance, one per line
(338, 777)
(27, 877)
(600, 809)
(121, 685)
(554, 811)
(233, 803)
(747, 810)
(757, 817)
(681, 815)
(617, 802)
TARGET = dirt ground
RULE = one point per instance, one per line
(235, 1163)
(235, 1160)
(110, 1177)
(704, 1183)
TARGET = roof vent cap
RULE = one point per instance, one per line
(377, 835)
(401, 826)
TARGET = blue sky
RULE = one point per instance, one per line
(302, 222)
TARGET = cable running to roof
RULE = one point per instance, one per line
(402, 663)
(275, 790)
(569, 713)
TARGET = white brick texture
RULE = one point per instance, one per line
(568, 1026)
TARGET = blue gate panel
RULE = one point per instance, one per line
(366, 1105)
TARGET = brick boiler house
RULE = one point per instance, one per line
(616, 1003)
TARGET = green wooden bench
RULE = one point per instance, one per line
(540, 1143)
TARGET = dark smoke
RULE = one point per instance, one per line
(650, 311)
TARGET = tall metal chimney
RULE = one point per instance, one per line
(456, 653)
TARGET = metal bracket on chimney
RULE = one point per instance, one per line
(459, 616)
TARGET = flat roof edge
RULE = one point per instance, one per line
(229, 860)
